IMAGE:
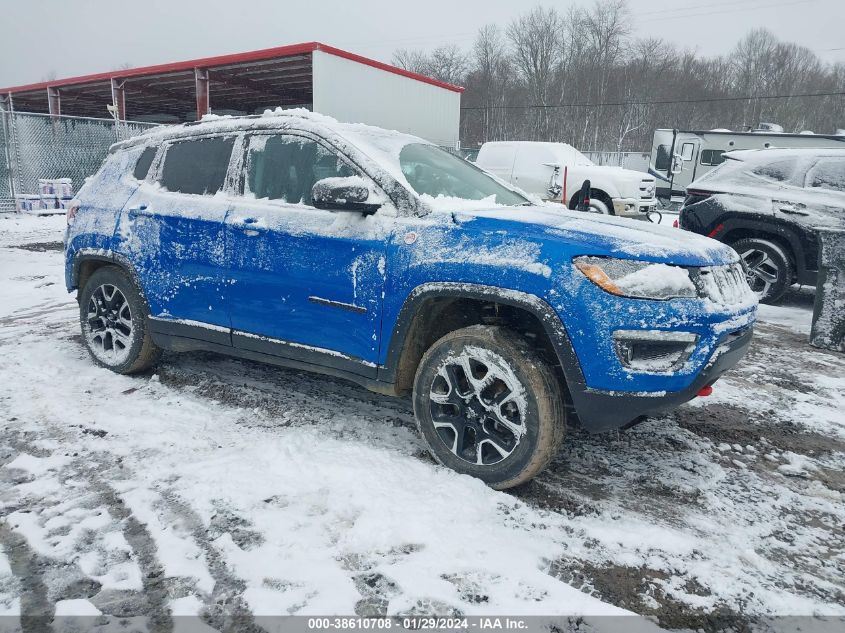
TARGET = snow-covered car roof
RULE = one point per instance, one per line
(298, 118)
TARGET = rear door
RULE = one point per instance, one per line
(172, 229)
(305, 282)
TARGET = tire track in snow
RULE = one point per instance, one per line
(36, 609)
(155, 588)
(225, 609)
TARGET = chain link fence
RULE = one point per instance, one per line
(38, 146)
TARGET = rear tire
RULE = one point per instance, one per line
(769, 268)
(113, 316)
(488, 406)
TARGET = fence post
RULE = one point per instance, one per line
(7, 114)
(828, 329)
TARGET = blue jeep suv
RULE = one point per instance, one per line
(378, 257)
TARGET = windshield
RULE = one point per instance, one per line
(435, 172)
(582, 160)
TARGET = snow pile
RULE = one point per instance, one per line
(450, 203)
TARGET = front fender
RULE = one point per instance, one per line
(532, 304)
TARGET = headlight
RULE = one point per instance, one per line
(636, 279)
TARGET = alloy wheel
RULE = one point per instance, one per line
(109, 325)
(478, 406)
(761, 271)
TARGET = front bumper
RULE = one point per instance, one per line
(600, 410)
(633, 207)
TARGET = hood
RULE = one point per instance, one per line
(619, 174)
(592, 234)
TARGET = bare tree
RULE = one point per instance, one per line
(580, 77)
(535, 38)
(415, 61)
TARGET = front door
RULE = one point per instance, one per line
(305, 283)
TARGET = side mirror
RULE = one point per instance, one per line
(344, 194)
(677, 164)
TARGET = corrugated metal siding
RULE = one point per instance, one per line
(357, 93)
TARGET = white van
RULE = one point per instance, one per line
(556, 171)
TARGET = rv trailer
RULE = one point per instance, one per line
(680, 156)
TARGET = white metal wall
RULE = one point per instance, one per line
(357, 93)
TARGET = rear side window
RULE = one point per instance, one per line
(712, 157)
(142, 167)
(828, 173)
(197, 166)
(779, 170)
(286, 167)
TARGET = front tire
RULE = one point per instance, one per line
(488, 406)
(769, 269)
(113, 317)
(600, 203)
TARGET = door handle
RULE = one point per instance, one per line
(250, 226)
(793, 211)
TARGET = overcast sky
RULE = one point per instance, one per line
(42, 38)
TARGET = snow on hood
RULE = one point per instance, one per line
(605, 235)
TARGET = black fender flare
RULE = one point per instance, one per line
(539, 308)
(95, 254)
(775, 228)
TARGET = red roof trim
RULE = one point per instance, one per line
(225, 60)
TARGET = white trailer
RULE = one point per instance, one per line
(680, 156)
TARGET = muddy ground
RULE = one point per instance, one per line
(713, 517)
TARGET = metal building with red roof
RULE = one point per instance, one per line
(319, 77)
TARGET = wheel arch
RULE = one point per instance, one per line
(598, 193)
(432, 310)
(86, 262)
(780, 234)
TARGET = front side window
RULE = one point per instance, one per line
(828, 173)
(661, 160)
(435, 172)
(285, 167)
(197, 166)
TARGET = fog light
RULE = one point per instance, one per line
(653, 351)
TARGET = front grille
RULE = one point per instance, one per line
(647, 189)
(724, 285)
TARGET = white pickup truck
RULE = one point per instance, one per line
(539, 168)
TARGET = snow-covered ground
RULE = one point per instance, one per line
(232, 489)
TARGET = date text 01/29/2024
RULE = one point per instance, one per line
(417, 623)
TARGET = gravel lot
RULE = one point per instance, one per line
(230, 489)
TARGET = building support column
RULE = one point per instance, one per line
(118, 99)
(54, 101)
(203, 106)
